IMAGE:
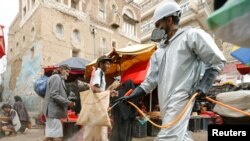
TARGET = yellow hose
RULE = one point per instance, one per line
(227, 106)
(170, 123)
(184, 110)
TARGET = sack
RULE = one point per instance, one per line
(94, 109)
(40, 86)
(238, 99)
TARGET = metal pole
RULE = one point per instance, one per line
(150, 103)
(94, 46)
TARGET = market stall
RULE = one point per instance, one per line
(124, 58)
(76, 64)
(131, 63)
(236, 96)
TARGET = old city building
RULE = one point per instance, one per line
(46, 32)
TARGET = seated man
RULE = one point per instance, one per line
(9, 122)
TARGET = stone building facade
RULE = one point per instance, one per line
(46, 32)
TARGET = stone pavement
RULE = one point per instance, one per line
(37, 134)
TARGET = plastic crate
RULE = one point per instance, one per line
(139, 130)
(194, 124)
(205, 121)
(152, 130)
(2, 134)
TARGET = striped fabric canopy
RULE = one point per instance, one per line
(242, 54)
(231, 22)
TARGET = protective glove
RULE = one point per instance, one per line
(206, 82)
(138, 92)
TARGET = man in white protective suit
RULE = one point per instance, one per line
(175, 67)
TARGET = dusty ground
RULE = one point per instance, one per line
(37, 134)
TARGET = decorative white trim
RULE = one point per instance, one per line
(104, 29)
(129, 8)
(80, 5)
(80, 15)
(29, 13)
(55, 5)
(105, 11)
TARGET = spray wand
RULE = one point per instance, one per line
(126, 94)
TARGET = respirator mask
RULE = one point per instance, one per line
(158, 34)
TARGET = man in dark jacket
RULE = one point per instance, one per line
(56, 104)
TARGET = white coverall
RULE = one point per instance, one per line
(175, 68)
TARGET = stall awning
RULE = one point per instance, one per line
(136, 73)
(242, 54)
(2, 46)
(76, 64)
(124, 58)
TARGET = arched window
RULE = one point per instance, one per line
(59, 29)
(33, 32)
(24, 11)
(103, 46)
(75, 53)
(129, 13)
(114, 44)
(76, 36)
(129, 25)
(114, 9)
(23, 38)
(75, 4)
(101, 12)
